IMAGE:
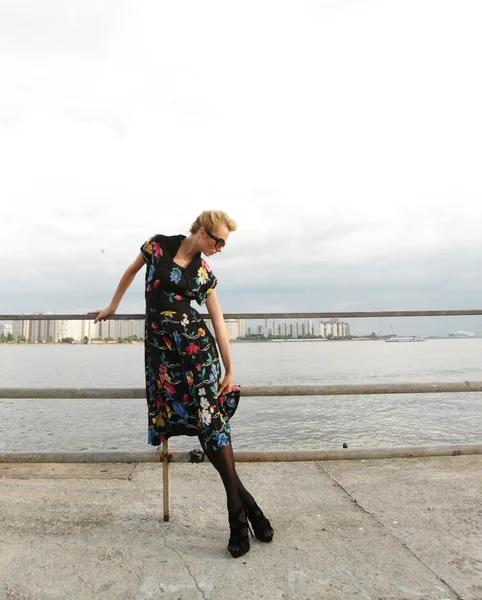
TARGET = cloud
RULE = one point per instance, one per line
(342, 137)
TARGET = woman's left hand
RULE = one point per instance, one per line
(226, 385)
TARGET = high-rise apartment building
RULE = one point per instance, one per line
(6, 329)
(236, 328)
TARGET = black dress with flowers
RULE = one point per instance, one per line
(181, 358)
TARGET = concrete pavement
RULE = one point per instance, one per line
(399, 529)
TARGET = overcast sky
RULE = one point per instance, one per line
(344, 137)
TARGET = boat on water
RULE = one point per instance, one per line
(405, 338)
(462, 334)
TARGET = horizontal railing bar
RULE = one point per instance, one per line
(256, 391)
(271, 456)
(306, 315)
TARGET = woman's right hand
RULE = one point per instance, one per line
(102, 314)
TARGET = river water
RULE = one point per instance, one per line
(260, 423)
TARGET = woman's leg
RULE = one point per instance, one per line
(262, 527)
(223, 461)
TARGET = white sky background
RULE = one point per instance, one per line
(343, 137)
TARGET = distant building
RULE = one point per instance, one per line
(6, 329)
(119, 329)
(58, 329)
(325, 329)
(62, 330)
(282, 329)
(236, 328)
(17, 328)
(34, 330)
(334, 329)
(258, 331)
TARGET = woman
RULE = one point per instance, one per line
(185, 392)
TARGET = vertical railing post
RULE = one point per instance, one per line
(166, 483)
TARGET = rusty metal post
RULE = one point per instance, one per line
(166, 482)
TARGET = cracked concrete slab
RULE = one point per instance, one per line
(104, 538)
(432, 505)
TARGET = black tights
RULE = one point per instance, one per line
(223, 461)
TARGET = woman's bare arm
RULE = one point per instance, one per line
(222, 337)
(124, 284)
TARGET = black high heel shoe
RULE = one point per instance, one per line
(238, 544)
(262, 527)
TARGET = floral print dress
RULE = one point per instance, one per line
(183, 372)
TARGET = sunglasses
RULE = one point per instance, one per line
(220, 243)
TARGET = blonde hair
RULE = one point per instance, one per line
(211, 219)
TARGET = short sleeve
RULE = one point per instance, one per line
(151, 249)
(207, 282)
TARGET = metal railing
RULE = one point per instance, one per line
(257, 316)
(257, 391)
(166, 457)
(192, 456)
